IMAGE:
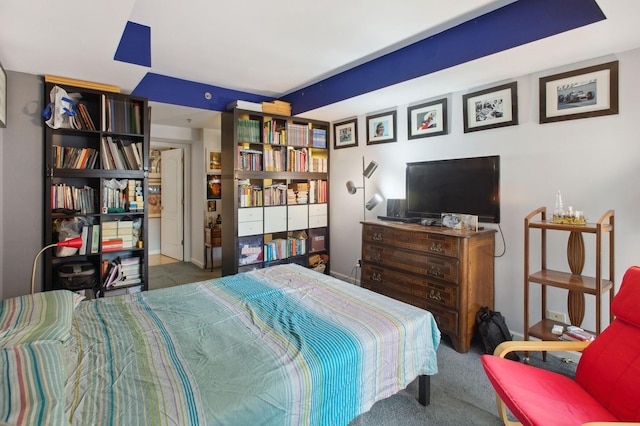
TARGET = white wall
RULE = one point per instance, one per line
(593, 161)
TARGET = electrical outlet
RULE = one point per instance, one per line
(556, 316)
(358, 264)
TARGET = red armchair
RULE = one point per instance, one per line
(607, 382)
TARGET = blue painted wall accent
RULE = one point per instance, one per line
(135, 45)
(513, 25)
(176, 91)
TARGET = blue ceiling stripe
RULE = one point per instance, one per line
(513, 25)
(135, 45)
(171, 90)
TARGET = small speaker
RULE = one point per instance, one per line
(396, 207)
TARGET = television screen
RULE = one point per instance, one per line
(463, 185)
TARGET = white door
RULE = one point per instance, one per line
(171, 222)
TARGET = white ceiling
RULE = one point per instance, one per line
(273, 48)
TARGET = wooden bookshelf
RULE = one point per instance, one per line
(96, 177)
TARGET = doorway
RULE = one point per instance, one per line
(172, 218)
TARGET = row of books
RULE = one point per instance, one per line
(282, 248)
(80, 199)
(90, 239)
(82, 120)
(318, 191)
(319, 165)
(121, 272)
(248, 130)
(249, 195)
(249, 159)
(275, 194)
(279, 194)
(121, 115)
(69, 157)
(121, 195)
(119, 154)
(298, 160)
(319, 138)
(117, 235)
(274, 159)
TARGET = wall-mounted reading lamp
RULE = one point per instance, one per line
(352, 188)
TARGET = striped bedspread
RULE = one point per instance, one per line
(277, 346)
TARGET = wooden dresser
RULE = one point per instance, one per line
(445, 271)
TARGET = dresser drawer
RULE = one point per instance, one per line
(413, 289)
(444, 245)
(410, 289)
(447, 320)
(444, 268)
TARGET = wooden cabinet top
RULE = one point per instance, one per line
(414, 227)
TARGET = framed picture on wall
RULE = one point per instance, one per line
(582, 93)
(345, 134)
(213, 161)
(381, 128)
(490, 108)
(428, 119)
(214, 187)
(3, 97)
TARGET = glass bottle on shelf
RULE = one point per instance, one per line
(558, 213)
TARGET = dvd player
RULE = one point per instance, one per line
(400, 219)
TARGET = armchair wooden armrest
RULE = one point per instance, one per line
(539, 346)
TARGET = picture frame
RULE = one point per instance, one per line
(427, 119)
(381, 128)
(214, 187)
(3, 97)
(491, 108)
(213, 161)
(581, 93)
(345, 134)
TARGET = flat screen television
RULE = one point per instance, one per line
(462, 185)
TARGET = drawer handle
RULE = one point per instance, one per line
(377, 236)
(435, 295)
(376, 258)
(376, 277)
(436, 247)
(435, 271)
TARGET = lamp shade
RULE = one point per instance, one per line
(351, 187)
(371, 168)
(374, 201)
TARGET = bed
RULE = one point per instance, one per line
(277, 346)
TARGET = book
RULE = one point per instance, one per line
(95, 238)
(240, 104)
(84, 235)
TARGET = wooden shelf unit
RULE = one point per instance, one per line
(261, 150)
(576, 284)
(126, 111)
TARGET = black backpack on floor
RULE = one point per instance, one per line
(493, 330)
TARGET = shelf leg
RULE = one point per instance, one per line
(575, 257)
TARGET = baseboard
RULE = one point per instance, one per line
(346, 278)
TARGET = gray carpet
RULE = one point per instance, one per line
(460, 393)
(176, 273)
